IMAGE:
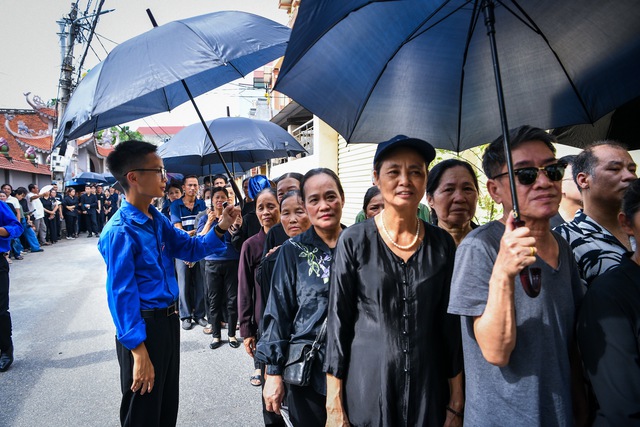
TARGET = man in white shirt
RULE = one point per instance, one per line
(35, 205)
(7, 189)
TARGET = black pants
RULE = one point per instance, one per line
(5, 317)
(101, 217)
(222, 285)
(52, 228)
(91, 222)
(306, 406)
(160, 407)
(72, 225)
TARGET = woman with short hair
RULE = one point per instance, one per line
(394, 355)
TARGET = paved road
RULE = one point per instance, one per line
(66, 372)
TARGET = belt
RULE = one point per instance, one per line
(160, 312)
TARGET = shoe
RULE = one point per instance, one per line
(186, 324)
(233, 342)
(45, 244)
(208, 330)
(71, 238)
(97, 234)
(19, 258)
(39, 250)
(89, 235)
(6, 360)
(202, 322)
(215, 343)
(256, 380)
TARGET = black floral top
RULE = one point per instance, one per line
(297, 304)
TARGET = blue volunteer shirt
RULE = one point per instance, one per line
(139, 254)
(229, 253)
(10, 223)
(185, 216)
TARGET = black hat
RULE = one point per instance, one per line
(423, 147)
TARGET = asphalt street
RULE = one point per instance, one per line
(66, 372)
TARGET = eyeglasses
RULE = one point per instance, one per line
(161, 171)
(527, 176)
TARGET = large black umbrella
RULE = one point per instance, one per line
(426, 68)
(622, 125)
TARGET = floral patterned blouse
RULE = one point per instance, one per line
(297, 304)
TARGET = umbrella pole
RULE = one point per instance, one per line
(206, 128)
(489, 21)
(530, 278)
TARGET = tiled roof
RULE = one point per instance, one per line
(103, 151)
(16, 149)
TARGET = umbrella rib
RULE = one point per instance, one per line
(417, 34)
(535, 28)
(472, 26)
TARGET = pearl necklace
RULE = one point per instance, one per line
(386, 232)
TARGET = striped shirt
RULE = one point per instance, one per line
(595, 249)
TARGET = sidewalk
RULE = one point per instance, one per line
(65, 370)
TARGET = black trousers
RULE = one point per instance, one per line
(5, 317)
(91, 222)
(160, 407)
(72, 225)
(52, 228)
(222, 286)
(306, 406)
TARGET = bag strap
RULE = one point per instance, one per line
(321, 335)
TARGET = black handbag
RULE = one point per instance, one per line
(300, 358)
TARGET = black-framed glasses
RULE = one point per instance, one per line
(527, 176)
(161, 171)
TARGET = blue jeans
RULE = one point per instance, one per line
(16, 246)
(31, 236)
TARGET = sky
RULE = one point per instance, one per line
(31, 50)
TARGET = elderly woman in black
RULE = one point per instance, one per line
(393, 353)
(452, 194)
(297, 305)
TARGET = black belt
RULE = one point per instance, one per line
(160, 312)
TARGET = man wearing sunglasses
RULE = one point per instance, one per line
(517, 347)
(138, 245)
(602, 171)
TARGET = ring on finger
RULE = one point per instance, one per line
(533, 251)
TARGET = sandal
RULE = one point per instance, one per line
(233, 342)
(255, 380)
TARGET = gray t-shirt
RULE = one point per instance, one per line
(534, 389)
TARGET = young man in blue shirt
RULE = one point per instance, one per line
(138, 246)
(10, 228)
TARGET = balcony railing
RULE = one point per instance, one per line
(304, 135)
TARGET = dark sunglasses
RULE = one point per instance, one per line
(527, 176)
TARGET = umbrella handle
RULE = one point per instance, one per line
(530, 277)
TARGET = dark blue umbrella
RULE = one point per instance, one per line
(376, 69)
(244, 143)
(90, 177)
(144, 75)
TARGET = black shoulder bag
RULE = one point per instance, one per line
(300, 358)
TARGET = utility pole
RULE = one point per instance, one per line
(67, 41)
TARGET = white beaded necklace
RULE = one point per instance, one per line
(386, 232)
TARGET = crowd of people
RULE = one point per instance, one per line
(415, 315)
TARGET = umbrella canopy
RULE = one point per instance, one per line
(244, 143)
(375, 69)
(143, 76)
(619, 125)
(90, 177)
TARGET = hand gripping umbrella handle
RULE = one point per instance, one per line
(530, 277)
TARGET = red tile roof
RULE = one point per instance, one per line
(41, 143)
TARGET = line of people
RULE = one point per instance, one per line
(419, 315)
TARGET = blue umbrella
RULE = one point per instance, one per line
(90, 177)
(245, 143)
(144, 75)
(424, 68)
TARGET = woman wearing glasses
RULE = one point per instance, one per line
(519, 347)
